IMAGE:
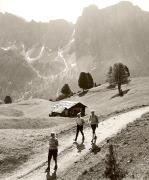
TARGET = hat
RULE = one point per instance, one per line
(92, 110)
(52, 133)
(79, 113)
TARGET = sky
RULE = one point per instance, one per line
(45, 10)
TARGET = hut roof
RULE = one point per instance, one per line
(62, 105)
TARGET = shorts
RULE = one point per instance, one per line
(79, 127)
(93, 126)
(52, 153)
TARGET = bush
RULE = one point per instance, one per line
(85, 81)
(7, 100)
(66, 91)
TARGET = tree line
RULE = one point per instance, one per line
(117, 75)
(85, 82)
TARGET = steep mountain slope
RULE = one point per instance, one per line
(56, 52)
(28, 54)
(53, 34)
(15, 72)
(116, 33)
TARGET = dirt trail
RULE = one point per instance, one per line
(68, 153)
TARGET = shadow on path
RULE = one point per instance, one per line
(83, 93)
(117, 95)
(95, 149)
(80, 146)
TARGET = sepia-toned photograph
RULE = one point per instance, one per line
(74, 90)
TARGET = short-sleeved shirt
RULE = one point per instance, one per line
(80, 121)
(93, 120)
(53, 143)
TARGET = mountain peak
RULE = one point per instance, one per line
(126, 5)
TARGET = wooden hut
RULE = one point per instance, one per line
(68, 109)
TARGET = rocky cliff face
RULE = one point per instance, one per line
(36, 59)
(54, 34)
(29, 59)
(116, 33)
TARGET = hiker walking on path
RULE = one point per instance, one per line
(93, 121)
(53, 151)
(80, 122)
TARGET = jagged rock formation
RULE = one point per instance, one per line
(37, 59)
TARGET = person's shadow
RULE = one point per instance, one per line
(123, 93)
(95, 149)
(80, 146)
(52, 176)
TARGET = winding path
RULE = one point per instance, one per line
(68, 152)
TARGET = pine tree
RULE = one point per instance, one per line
(83, 81)
(66, 90)
(7, 100)
(90, 80)
(110, 78)
(118, 74)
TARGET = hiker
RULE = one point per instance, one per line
(93, 121)
(53, 151)
(80, 122)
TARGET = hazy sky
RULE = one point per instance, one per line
(45, 10)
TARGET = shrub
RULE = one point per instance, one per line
(66, 90)
(7, 100)
(85, 81)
